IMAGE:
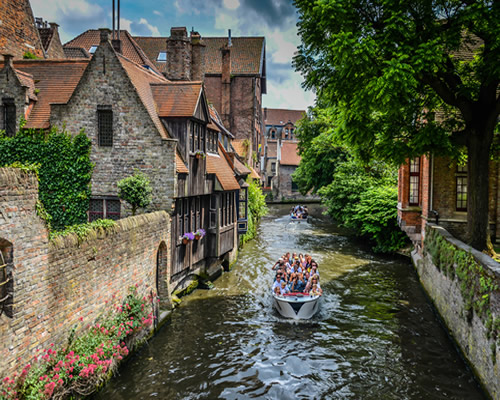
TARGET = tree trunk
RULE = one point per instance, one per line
(478, 145)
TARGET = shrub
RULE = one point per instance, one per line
(64, 171)
(257, 208)
(136, 190)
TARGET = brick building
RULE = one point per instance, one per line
(434, 189)
(136, 118)
(21, 33)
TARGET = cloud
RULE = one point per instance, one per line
(156, 12)
(288, 93)
(231, 4)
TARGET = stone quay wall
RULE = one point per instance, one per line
(65, 283)
(474, 338)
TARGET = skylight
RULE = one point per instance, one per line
(162, 56)
(92, 49)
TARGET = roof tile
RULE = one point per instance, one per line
(277, 116)
(289, 154)
(176, 99)
(218, 165)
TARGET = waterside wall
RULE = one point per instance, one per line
(69, 282)
(463, 285)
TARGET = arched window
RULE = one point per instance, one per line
(162, 275)
(6, 278)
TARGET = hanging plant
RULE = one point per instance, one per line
(187, 237)
(199, 154)
(199, 234)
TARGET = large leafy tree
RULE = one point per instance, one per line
(409, 77)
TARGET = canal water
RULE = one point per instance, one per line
(375, 337)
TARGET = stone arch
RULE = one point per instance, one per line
(162, 276)
(6, 278)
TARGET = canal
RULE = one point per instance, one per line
(375, 337)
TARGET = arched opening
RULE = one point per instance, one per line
(6, 279)
(162, 275)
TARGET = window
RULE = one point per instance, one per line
(93, 49)
(461, 188)
(242, 210)
(104, 209)
(187, 215)
(180, 217)
(414, 182)
(162, 56)
(105, 126)
(286, 133)
(273, 134)
(202, 139)
(9, 117)
(269, 179)
(212, 214)
(295, 188)
(273, 168)
(196, 137)
(191, 142)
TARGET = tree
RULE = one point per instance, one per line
(409, 77)
(318, 149)
(136, 190)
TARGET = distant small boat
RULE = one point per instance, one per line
(297, 305)
(298, 218)
(299, 213)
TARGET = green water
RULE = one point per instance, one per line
(375, 337)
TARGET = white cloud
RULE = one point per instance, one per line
(156, 12)
(231, 4)
(154, 30)
(288, 94)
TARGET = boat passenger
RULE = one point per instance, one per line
(315, 281)
(284, 288)
(315, 291)
(298, 284)
(277, 290)
(277, 282)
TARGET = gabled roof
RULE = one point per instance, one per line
(28, 81)
(55, 80)
(180, 167)
(218, 165)
(130, 49)
(75, 52)
(177, 99)
(289, 154)
(240, 147)
(240, 168)
(247, 53)
(279, 116)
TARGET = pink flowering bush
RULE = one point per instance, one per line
(88, 359)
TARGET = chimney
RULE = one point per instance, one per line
(117, 45)
(226, 86)
(198, 48)
(54, 26)
(7, 59)
(104, 35)
(179, 54)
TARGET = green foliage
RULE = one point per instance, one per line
(365, 199)
(136, 190)
(64, 171)
(319, 151)
(385, 69)
(28, 55)
(82, 231)
(257, 208)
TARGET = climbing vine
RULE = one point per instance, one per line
(64, 171)
(476, 283)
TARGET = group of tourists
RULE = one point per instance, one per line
(299, 212)
(296, 274)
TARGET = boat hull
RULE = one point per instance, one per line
(296, 306)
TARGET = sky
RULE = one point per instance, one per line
(274, 19)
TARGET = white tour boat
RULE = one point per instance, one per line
(296, 305)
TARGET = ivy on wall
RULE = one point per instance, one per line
(476, 283)
(64, 171)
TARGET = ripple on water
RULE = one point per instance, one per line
(375, 337)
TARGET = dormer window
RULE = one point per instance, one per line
(162, 56)
(93, 49)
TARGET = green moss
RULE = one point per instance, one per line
(189, 289)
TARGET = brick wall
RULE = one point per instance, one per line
(11, 88)
(18, 33)
(136, 140)
(57, 283)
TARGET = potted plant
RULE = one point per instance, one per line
(199, 154)
(199, 234)
(187, 237)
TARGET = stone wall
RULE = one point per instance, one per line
(136, 140)
(11, 89)
(470, 334)
(66, 283)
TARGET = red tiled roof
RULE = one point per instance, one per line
(27, 80)
(75, 52)
(277, 116)
(239, 147)
(219, 166)
(143, 80)
(289, 155)
(177, 99)
(56, 80)
(247, 53)
(180, 167)
(240, 168)
(151, 47)
(130, 48)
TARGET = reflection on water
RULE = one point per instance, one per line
(376, 336)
